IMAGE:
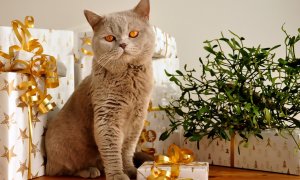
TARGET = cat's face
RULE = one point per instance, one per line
(123, 38)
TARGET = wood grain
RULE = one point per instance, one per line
(219, 173)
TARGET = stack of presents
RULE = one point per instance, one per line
(29, 78)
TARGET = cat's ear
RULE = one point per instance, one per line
(143, 8)
(92, 18)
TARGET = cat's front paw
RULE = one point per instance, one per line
(91, 172)
(118, 177)
(131, 172)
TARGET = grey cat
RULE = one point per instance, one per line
(99, 126)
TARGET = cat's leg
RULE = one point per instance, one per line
(109, 138)
(129, 147)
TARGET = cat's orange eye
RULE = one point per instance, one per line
(109, 38)
(133, 34)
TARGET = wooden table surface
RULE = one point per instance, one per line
(220, 173)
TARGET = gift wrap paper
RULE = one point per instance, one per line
(60, 95)
(14, 132)
(158, 123)
(83, 62)
(57, 43)
(164, 90)
(165, 44)
(273, 153)
(193, 171)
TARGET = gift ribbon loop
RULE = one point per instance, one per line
(175, 157)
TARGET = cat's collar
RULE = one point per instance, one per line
(136, 67)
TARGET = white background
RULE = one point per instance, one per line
(190, 21)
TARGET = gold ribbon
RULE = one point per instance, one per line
(175, 157)
(40, 66)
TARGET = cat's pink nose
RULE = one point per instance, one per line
(123, 45)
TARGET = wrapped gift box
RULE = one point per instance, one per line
(57, 43)
(157, 124)
(14, 132)
(194, 170)
(165, 44)
(14, 128)
(60, 95)
(83, 61)
(273, 153)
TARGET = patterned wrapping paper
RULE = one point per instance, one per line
(58, 43)
(83, 62)
(164, 90)
(14, 132)
(193, 171)
(158, 123)
(165, 44)
(274, 153)
(60, 95)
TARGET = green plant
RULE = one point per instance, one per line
(241, 90)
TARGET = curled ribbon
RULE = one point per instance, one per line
(175, 157)
(39, 66)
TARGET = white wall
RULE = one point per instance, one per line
(190, 21)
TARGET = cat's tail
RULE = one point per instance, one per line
(140, 157)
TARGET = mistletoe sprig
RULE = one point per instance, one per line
(241, 90)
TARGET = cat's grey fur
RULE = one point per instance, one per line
(99, 126)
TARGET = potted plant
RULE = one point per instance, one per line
(241, 90)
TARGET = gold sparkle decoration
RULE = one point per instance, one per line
(81, 66)
(58, 96)
(8, 87)
(23, 134)
(62, 101)
(22, 168)
(85, 40)
(35, 119)
(22, 105)
(8, 120)
(9, 153)
(34, 149)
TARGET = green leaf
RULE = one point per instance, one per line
(209, 49)
(179, 72)
(164, 136)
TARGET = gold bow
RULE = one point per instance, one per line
(175, 157)
(40, 66)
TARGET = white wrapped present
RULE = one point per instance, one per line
(193, 170)
(14, 132)
(165, 44)
(273, 153)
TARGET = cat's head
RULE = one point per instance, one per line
(122, 38)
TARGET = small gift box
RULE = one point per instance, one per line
(191, 171)
(178, 164)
